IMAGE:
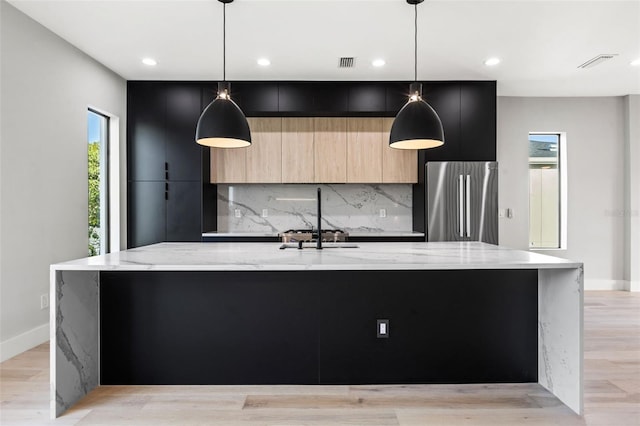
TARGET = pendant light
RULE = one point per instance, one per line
(417, 125)
(222, 123)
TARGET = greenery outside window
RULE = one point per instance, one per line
(98, 167)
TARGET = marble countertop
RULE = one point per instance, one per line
(351, 234)
(268, 256)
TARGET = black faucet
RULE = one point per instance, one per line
(319, 242)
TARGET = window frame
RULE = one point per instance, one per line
(562, 190)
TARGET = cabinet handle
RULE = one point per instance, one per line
(166, 166)
(468, 205)
(166, 175)
(166, 195)
(461, 205)
(166, 186)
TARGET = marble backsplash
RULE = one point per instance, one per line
(278, 207)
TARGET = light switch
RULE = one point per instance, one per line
(382, 331)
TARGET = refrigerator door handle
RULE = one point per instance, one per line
(468, 205)
(461, 208)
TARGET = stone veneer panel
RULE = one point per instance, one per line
(350, 207)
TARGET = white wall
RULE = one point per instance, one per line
(46, 87)
(632, 191)
(595, 129)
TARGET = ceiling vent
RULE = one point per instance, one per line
(347, 62)
(598, 60)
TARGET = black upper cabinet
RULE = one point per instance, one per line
(295, 98)
(478, 117)
(146, 136)
(367, 97)
(397, 95)
(444, 98)
(255, 99)
(182, 152)
(331, 98)
(162, 127)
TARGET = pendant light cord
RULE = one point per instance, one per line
(224, 42)
(415, 41)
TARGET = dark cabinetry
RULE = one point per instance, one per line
(164, 197)
(296, 327)
(162, 117)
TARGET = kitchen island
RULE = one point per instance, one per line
(250, 313)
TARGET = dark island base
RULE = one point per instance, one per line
(318, 327)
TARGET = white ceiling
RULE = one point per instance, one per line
(541, 43)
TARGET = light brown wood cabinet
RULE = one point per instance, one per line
(398, 165)
(264, 155)
(228, 165)
(330, 149)
(364, 150)
(297, 150)
(316, 150)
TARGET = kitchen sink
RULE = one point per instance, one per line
(311, 245)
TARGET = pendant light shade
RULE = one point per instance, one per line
(222, 123)
(417, 125)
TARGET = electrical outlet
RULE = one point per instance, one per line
(237, 213)
(383, 212)
(265, 213)
(382, 328)
(44, 301)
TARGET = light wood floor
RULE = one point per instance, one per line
(612, 392)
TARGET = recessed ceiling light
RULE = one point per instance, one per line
(150, 61)
(378, 62)
(264, 62)
(492, 61)
(635, 62)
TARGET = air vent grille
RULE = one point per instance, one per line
(347, 62)
(598, 60)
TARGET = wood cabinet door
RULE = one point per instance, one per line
(364, 150)
(228, 165)
(264, 155)
(398, 165)
(330, 149)
(297, 150)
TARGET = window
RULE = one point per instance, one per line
(98, 168)
(547, 191)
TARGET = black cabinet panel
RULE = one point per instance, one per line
(331, 98)
(444, 327)
(147, 213)
(366, 97)
(295, 98)
(255, 99)
(306, 327)
(183, 154)
(207, 328)
(397, 95)
(478, 117)
(444, 98)
(184, 209)
(146, 136)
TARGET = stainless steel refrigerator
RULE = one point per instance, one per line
(462, 201)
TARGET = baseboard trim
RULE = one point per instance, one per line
(23, 342)
(591, 284)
